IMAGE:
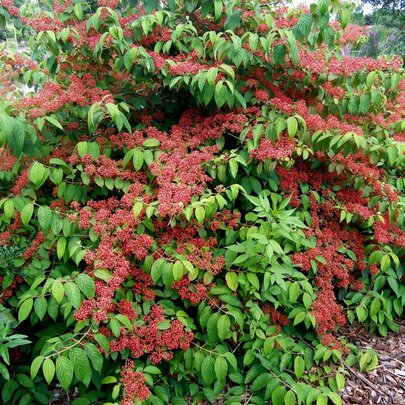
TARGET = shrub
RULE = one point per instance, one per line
(194, 200)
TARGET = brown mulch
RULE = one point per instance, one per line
(385, 385)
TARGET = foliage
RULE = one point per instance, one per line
(194, 200)
(384, 30)
(388, 4)
(10, 24)
(7, 340)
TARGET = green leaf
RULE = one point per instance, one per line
(36, 173)
(157, 269)
(292, 126)
(398, 306)
(370, 78)
(103, 274)
(94, 149)
(285, 361)
(4, 372)
(129, 58)
(86, 285)
(375, 306)
(61, 247)
(364, 360)
(78, 11)
(149, 6)
(81, 365)
(223, 326)
(82, 148)
(6, 128)
(58, 292)
(178, 270)
(395, 80)
(25, 309)
(48, 368)
(365, 101)
(109, 183)
(54, 122)
(261, 381)
(294, 291)
(109, 380)
(299, 366)
(124, 320)
(73, 294)
(16, 137)
(36, 365)
(281, 124)
(44, 217)
(200, 214)
(290, 398)
(221, 368)
(8, 389)
(94, 355)
(26, 213)
(114, 112)
(385, 262)
(277, 396)
(9, 208)
(64, 372)
(253, 280)
(25, 381)
(208, 93)
(335, 398)
(299, 318)
(268, 346)
(322, 400)
(361, 313)
(323, 6)
(102, 341)
(221, 94)
(78, 257)
(340, 381)
(208, 370)
(115, 327)
(393, 283)
(40, 307)
(137, 208)
(294, 55)
(137, 159)
(345, 16)
(152, 370)
(232, 280)
(151, 143)
(374, 359)
(307, 300)
(233, 167)
(212, 75)
(218, 7)
(304, 24)
(231, 360)
(279, 52)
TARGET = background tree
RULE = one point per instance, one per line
(385, 31)
(398, 5)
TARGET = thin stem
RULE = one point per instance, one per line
(69, 347)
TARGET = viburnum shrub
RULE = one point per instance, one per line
(194, 199)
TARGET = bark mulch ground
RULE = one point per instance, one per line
(385, 385)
